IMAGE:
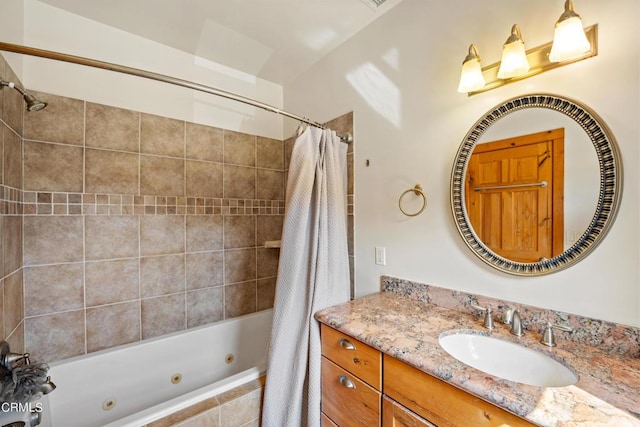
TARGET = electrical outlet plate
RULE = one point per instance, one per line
(381, 256)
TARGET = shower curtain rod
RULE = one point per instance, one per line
(48, 54)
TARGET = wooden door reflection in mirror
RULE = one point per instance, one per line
(514, 192)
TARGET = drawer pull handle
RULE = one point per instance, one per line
(346, 344)
(345, 381)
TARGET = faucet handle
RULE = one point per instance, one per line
(548, 338)
(488, 320)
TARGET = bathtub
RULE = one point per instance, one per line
(138, 383)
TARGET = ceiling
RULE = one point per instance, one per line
(275, 40)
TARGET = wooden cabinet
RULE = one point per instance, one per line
(351, 381)
(440, 402)
(395, 415)
(355, 376)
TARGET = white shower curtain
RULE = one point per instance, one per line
(313, 274)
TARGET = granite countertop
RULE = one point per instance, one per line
(606, 393)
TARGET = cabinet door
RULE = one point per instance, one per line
(441, 402)
(394, 415)
(346, 400)
(326, 422)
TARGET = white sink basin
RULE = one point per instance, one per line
(507, 360)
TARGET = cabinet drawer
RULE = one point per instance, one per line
(439, 402)
(394, 415)
(356, 357)
(346, 400)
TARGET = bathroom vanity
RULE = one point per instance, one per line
(382, 365)
(363, 387)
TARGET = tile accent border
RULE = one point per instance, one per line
(17, 202)
(609, 337)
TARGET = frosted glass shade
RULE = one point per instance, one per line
(569, 40)
(514, 60)
(471, 78)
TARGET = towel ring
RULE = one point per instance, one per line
(418, 192)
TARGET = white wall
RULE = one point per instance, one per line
(400, 76)
(50, 28)
(12, 31)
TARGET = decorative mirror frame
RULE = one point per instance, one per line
(610, 167)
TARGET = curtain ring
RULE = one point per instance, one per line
(418, 192)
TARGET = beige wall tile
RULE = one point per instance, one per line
(12, 159)
(108, 282)
(205, 306)
(2, 330)
(239, 265)
(3, 74)
(53, 288)
(239, 231)
(13, 301)
(173, 419)
(4, 131)
(161, 275)
(350, 178)
(204, 142)
(269, 227)
(204, 233)
(162, 234)
(205, 269)
(162, 136)
(108, 237)
(239, 148)
(267, 260)
(3, 231)
(52, 167)
(240, 298)
(209, 418)
(239, 182)
(11, 246)
(270, 184)
(111, 127)
(113, 325)
(269, 153)
(288, 149)
(204, 179)
(16, 339)
(62, 121)
(163, 315)
(55, 336)
(52, 239)
(266, 293)
(241, 411)
(161, 176)
(111, 172)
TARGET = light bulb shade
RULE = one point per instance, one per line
(471, 78)
(514, 60)
(569, 40)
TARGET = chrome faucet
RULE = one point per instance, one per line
(511, 317)
(27, 376)
(9, 360)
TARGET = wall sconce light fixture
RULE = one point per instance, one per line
(471, 78)
(569, 39)
(571, 43)
(514, 58)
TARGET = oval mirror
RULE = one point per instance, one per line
(535, 184)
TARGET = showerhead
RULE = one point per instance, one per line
(33, 104)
